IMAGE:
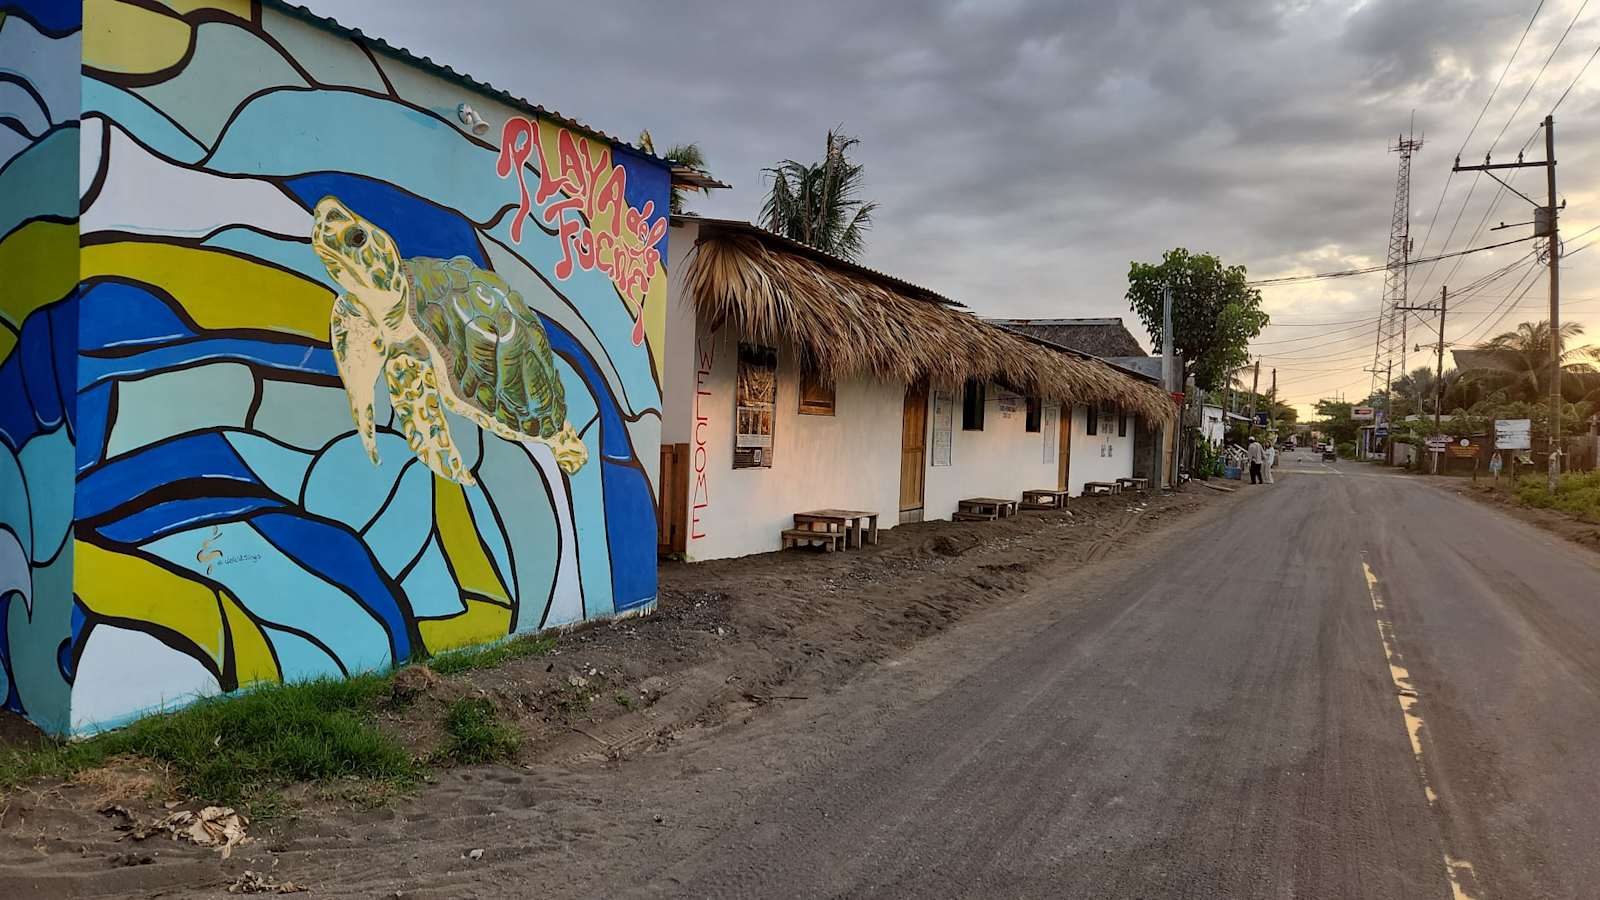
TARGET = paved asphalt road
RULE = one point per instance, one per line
(1348, 684)
(1229, 726)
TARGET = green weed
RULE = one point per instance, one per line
(1578, 495)
(475, 734)
(493, 655)
(239, 748)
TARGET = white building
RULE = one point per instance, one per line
(797, 381)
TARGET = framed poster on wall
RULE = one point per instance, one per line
(755, 402)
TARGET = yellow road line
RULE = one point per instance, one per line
(1458, 870)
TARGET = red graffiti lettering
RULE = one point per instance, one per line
(584, 194)
(702, 424)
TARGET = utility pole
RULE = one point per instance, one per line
(1272, 403)
(1169, 379)
(1544, 225)
(1255, 383)
(1438, 400)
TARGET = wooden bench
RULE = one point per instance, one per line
(1044, 499)
(979, 509)
(829, 541)
(1090, 488)
(859, 526)
(1134, 484)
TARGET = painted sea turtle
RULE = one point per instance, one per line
(445, 334)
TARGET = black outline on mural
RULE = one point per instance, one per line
(125, 84)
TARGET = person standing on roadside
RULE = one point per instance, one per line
(1269, 459)
(1255, 456)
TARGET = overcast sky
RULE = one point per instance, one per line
(1023, 153)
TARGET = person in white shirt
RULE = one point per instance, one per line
(1255, 455)
(1270, 459)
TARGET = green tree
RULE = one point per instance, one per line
(818, 203)
(1215, 313)
(1518, 362)
(1335, 421)
(684, 155)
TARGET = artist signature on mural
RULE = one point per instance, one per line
(597, 227)
(209, 556)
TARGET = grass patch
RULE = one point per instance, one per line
(492, 655)
(1578, 495)
(239, 749)
(475, 734)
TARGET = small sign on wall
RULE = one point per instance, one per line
(944, 418)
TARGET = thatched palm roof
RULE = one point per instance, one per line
(847, 320)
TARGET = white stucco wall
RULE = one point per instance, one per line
(1002, 460)
(1098, 457)
(849, 460)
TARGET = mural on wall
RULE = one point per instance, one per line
(330, 398)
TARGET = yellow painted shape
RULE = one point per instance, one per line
(128, 587)
(121, 37)
(252, 654)
(459, 539)
(481, 623)
(40, 265)
(219, 290)
(240, 8)
(8, 341)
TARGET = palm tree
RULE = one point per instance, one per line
(1518, 361)
(682, 154)
(816, 203)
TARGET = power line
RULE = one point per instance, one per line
(1559, 41)
(1346, 273)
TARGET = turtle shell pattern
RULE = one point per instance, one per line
(497, 355)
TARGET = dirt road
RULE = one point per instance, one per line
(1347, 684)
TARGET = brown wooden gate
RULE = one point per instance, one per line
(672, 511)
(913, 452)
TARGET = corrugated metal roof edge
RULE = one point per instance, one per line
(808, 250)
(445, 71)
(1132, 373)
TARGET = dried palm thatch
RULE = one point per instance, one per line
(844, 323)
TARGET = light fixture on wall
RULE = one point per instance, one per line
(470, 118)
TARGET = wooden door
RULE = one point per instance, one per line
(1064, 446)
(913, 449)
(672, 512)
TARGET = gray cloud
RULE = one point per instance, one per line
(1024, 151)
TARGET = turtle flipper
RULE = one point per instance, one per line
(414, 393)
(358, 350)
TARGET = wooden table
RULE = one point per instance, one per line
(985, 508)
(1101, 487)
(1134, 484)
(857, 524)
(1044, 499)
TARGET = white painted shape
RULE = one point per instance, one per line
(566, 601)
(191, 203)
(91, 140)
(125, 674)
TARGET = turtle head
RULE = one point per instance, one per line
(359, 255)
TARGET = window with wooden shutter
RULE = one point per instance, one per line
(972, 401)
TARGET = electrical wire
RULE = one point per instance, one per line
(1346, 273)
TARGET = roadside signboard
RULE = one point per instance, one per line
(1262, 419)
(1363, 413)
(1382, 430)
(1513, 434)
(1438, 443)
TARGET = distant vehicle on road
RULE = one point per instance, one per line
(1328, 455)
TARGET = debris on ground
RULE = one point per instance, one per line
(250, 882)
(414, 681)
(212, 826)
